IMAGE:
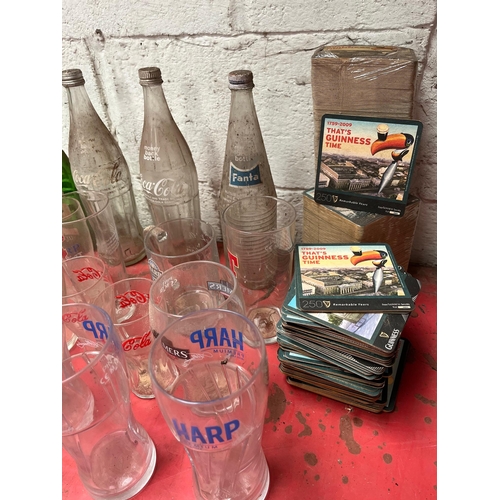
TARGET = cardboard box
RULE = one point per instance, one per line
(326, 224)
(362, 80)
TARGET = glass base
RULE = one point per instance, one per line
(138, 486)
(266, 319)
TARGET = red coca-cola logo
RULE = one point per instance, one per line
(132, 297)
(137, 342)
(75, 316)
(87, 273)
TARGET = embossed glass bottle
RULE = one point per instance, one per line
(169, 177)
(97, 164)
(246, 170)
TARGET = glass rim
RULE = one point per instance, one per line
(93, 215)
(191, 263)
(255, 233)
(73, 209)
(260, 368)
(184, 255)
(95, 282)
(104, 348)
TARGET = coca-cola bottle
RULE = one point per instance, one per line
(97, 164)
(169, 177)
(246, 170)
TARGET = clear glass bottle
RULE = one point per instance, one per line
(97, 164)
(246, 170)
(169, 177)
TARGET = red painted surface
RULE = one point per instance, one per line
(319, 448)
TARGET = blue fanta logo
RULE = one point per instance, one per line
(242, 178)
(217, 337)
(206, 436)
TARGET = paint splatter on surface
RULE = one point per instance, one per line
(307, 430)
(347, 435)
(387, 458)
(425, 400)
(430, 361)
(322, 427)
(311, 459)
(276, 403)
(357, 421)
(288, 429)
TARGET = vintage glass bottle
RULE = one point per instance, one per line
(97, 164)
(169, 177)
(246, 170)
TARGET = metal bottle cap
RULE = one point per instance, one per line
(72, 77)
(150, 76)
(241, 79)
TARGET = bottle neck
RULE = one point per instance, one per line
(155, 104)
(80, 106)
(242, 102)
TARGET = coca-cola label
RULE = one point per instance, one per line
(244, 178)
(136, 343)
(166, 190)
(75, 316)
(87, 273)
(132, 297)
(107, 177)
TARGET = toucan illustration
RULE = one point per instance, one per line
(400, 143)
(369, 255)
(378, 275)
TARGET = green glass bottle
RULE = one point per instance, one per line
(68, 185)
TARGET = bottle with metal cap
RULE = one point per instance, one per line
(246, 170)
(169, 177)
(97, 164)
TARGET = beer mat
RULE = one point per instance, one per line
(342, 387)
(329, 334)
(345, 349)
(369, 330)
(387, 401)
(374, 407)
(395, 380)
(325, 337)
(374, 333)
(298, 370)
(314, 366)
(350, 277)
(291, 346)
(345, 361)
(366, 163)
